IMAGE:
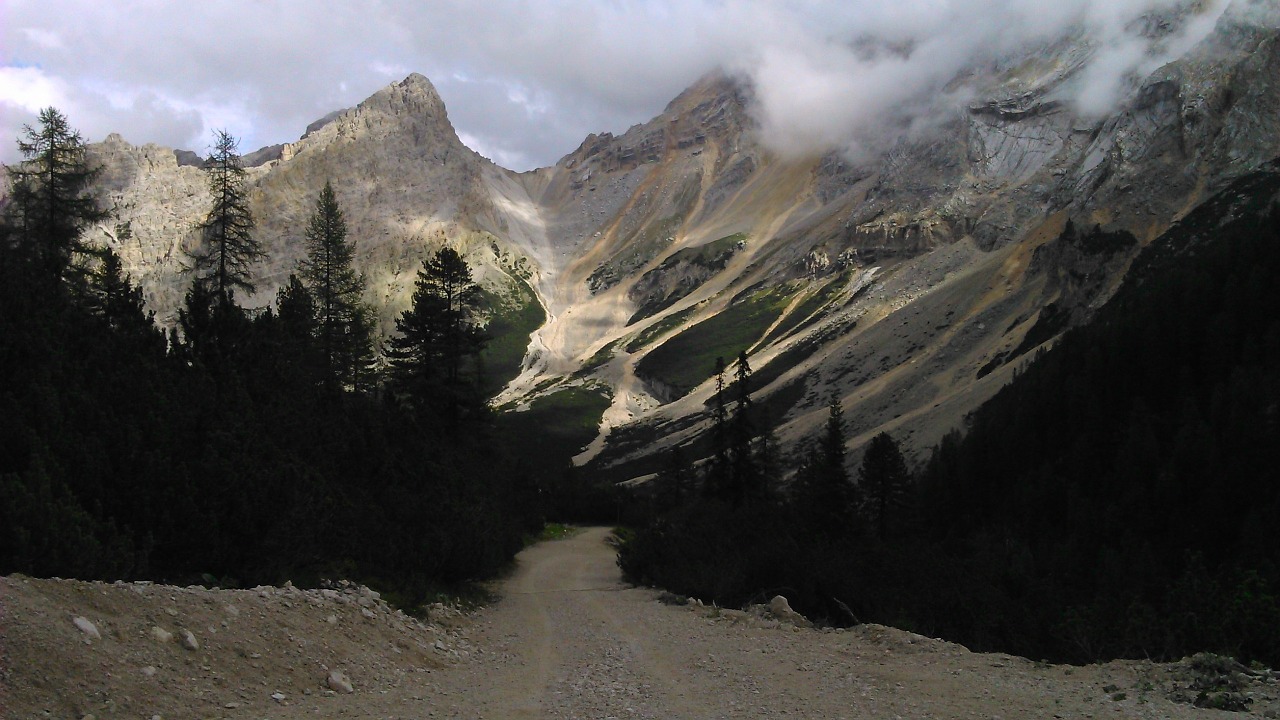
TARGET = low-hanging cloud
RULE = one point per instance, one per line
(526, 82)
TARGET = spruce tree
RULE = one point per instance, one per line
(50, 200)
(343, 325)
(227, 244)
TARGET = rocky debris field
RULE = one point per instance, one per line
(71, 649)
(568, 639)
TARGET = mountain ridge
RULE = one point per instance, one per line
(901, 283)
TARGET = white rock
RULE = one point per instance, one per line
(332, 619)
(87, 627)
(277, 696)
(149, 671)
(189, 641)
(159, 634)
(338, 682)
(367, 613)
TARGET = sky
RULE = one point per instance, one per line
(525, 81)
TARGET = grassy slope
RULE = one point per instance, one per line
(687, 359)
(509, 332)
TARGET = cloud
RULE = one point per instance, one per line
(867, 81)
(30, 89)
(525, 82)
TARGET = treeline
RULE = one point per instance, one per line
(243, 446)
(1117, 499)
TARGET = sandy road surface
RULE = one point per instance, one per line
(568, 639)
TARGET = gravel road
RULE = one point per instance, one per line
(568, 639)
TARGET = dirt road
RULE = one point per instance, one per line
(568, 639)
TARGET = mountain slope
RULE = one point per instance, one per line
(906, 281)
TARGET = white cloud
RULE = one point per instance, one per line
(527, 81)
(30, 89)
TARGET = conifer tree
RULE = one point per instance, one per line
(823, 494)
(343, 326)
(883, 479)
(436, 355)
(227, 244)
(295, 317)
(745, 481)
(50, 202)
(113, 296)
(718, 473)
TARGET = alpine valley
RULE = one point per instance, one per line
(909, 281)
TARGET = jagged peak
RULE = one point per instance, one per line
(415, 93)
(715, 84)
(419, 83)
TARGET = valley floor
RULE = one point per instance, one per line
(568, 639)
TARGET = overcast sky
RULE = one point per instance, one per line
(524, 81)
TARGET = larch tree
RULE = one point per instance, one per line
(51, 203)
(344, 331)
(228, 248)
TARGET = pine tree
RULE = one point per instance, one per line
(436, 355)
(344, 328)
(883, 479)
(50, 201)
(228, 247)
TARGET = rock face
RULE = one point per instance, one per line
(907, 284)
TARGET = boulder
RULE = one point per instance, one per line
(339, 682)
(781, 609)
(87, 627)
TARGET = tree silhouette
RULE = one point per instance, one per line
(436, 355)
(883, 479)
(343, 325)
(227, 244)
(823, 494)
(50, 202)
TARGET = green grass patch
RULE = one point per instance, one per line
(684, 361)
(812, 309)
(656, 330)
(511, 323)
(642, 248)
(598, 360)
(692, 265)
(556, 531)
(555, 427)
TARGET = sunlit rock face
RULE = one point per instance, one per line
(907, 281)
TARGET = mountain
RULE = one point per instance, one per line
(908, 281)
